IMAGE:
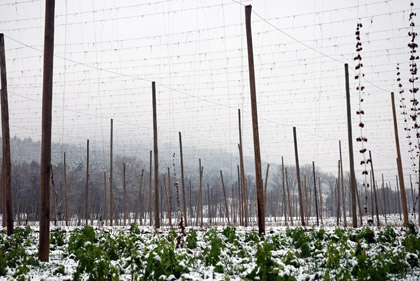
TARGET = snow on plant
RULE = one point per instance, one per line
(132, 253)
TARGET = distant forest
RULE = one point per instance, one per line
(26, 176)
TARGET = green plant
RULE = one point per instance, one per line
(57, 237)
(162, 261)
(367, 234)
(388, 235)
(252, 237)
(267, 268)
(332, 256)
(191, 240)
(411, 243)
(301, 241)
(230, 233)
(212, 252)
(92, 259)
(411, 227)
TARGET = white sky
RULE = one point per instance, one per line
(108, 52)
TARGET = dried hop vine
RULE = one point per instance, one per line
(360, 88)
(413, 71)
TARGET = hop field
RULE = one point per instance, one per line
(230, 253)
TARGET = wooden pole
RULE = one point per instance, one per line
(224, 195)
(315, 194)
(156, 158)
(359, 207)
(6, 141)
(398, 197)
(125, 196)
(374, 188)
(170, 193)
(301, 207)
(200, 196)
(257, 154)
(399, 163)
(3, 187)
(306, 201)
(65, 192)
(240, 203)
(184, 199)
(47, 96)
(383, 200)
(139, 199)
(209, 209)
(243, 189)
(87, 184)
(338, 193)
(265, 190)
(191, 210)
(105, 202)
(111, 194)
(350, 140)
(288, 198)
(284, 192)
(150, 190)
(320, 199)
(168, 206)
(343, 197)
(244, 202)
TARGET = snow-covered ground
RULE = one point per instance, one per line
(215, 253)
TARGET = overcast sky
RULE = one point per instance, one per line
(108, 52)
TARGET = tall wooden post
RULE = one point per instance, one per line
(374, 189)
(6, 139)
(87, 184)
(125, 196)
(257, 154)
(184, 208)
(316, 196)
(265, 190)
(306, 200)
(65, 190)
(244, 202)
(343, 194)
(168, 205)
(139, 200)
(3, 187)
(224, 195)
(156, 158)
(398, 195)
(47, 96)
(240, 205)
(288, 198)
(209, 209)
(399, 163)
(170, 196)
(111, 194)
(7, 186)
(320, 199)
(150, 189)
(302, 215)
(338, 194)
(200, 196)
(105, 203)
(350, 139)
(284, 193)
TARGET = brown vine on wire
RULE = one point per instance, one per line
(360, 112)
(412, 80)
(404, 113)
